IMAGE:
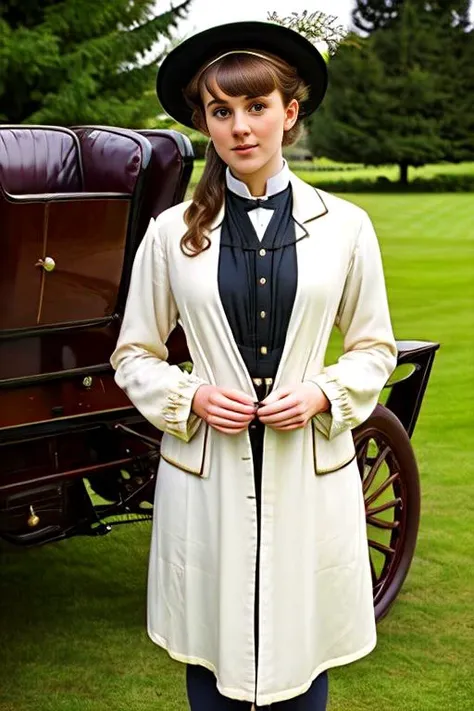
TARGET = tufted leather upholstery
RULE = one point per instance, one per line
(39, 161)
(112, 158)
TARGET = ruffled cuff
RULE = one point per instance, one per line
(179, 419)
(340, 417)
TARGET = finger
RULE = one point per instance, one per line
(237, 396)
(225, 414)
(299, 421)
(285, 404)
(230, 408)
(295, 421)
(292, 413)
(224, 422)
(221, 400)
(275, 395)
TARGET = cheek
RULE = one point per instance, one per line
(217, 133)
(272, 128)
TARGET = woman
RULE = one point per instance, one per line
(259, 576)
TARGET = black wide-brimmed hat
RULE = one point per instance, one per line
(182, 63)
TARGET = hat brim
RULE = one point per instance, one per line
(182, 63)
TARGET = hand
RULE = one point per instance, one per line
(226, 410)
(291, 407)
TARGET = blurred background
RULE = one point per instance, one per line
(394, 135)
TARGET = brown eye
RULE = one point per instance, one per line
(220, 113)
(258, 108)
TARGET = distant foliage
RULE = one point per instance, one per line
(443, 183)
(370, 15)
(79, 61)
(403, 93)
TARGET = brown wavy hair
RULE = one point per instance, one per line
(234, 75)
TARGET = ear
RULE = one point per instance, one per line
(291, 114)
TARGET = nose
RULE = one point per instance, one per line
(240, 125)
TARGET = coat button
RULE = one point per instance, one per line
(263, 314)
(263, 350)
(262, 252)
(262, 280)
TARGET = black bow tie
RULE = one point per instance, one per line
(270, 203)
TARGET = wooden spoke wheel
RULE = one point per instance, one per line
(135, 487)
(391, 488)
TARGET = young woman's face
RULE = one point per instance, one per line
(247, 133)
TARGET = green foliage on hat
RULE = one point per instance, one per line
(323, 31)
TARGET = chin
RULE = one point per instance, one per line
(246, 167)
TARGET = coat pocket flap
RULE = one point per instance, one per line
(189, 456)
(331, 455)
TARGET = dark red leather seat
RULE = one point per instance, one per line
(74, 206)
(67, 202)
(171, 168)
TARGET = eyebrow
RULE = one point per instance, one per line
(217, 101)
(223, 101)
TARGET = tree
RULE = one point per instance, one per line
(402, 95)
(370, 15)
(81, 61)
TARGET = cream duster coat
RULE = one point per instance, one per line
(316, 608)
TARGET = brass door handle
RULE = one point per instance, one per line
(47, 263)
(33, 519)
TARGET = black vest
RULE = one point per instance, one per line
(258, 278)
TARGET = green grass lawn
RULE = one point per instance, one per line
(73, 614)
(306, 171)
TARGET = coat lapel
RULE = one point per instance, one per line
(308, 205)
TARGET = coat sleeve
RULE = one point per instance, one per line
(353, 384)
(162, 392)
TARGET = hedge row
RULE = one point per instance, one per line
(437, 184)
(339, 168)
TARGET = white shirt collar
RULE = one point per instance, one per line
(275, 184)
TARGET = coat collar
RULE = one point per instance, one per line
(308, 205)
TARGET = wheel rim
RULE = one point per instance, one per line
(384, 492)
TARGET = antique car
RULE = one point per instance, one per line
(76, 457)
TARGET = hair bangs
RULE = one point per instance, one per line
(240, 75)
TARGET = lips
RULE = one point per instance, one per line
(244, 148)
